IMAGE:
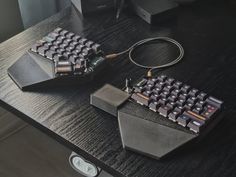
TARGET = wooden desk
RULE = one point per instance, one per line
(208, 34)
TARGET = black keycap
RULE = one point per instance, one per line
(83, 55)
(76, 52)
(60, 51)
(48, 45)
(74, 44)
(64, 32)
(83, 41)
(163, 101)
(193, 92)
(192, 100)
(89, 44)
(147, 93)
(57, 42)
(164, 110)
(183, 120)
(173, 115)
(178, 84)
(185, 88)
(202, 96)
(214, 101)
(35, 47)
(96, 47)
(141, 99)
(180, 102)
(160, 84)
(70, 48)
(76, 38)
(176, 92)
(49, 39)
(154, 105)
(50, 54)
(58, 57)
(170, 81)
(80, 61)
(42, 51)
(201, 103)
(67, 54)
(156, 90)
(80, 47)
(73, 58)
(70, 35)
(61, 38)
(149, 87)
(197, 110)
(68, 41)
(152, 81)
(88, 51)
(53, 35)
(165, 94)
(209, 111)
(155, 97)
(63, 45)
(188, 106)
(180, 109)
(168, 88)
(171, 104)
(162, 78)
(184, 96)
(172, 98)
(195, 126)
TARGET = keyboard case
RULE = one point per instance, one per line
(32, 71)
(145, 131)
(151, 134)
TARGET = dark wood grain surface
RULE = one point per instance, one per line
(208, 34)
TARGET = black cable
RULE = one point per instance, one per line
(131, 49)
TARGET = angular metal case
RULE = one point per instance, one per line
(149, 133)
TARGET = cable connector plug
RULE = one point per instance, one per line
(111, 56)
(149, 73)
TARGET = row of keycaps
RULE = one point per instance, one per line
(187, 106)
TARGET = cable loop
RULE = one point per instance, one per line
(131, 49)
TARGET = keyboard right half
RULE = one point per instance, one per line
(164, 114)
(177, 101)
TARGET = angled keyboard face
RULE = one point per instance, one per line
(177, 101)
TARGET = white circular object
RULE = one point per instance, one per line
(82, 166)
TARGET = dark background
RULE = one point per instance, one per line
(17, 15)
